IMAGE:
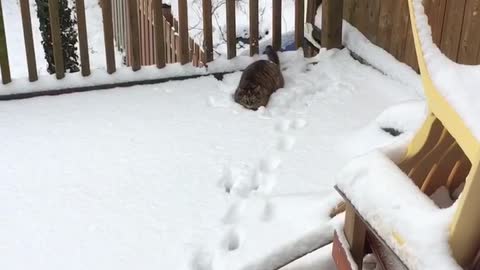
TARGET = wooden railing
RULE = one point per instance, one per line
(147, 36)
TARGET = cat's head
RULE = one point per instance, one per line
(251, 97)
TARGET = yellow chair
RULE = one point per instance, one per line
(465, 229)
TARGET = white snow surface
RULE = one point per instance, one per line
(457, 83)
(178, 176)
(395, 206)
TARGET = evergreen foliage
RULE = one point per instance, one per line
(68, 35)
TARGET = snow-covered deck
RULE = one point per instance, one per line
(178, 176)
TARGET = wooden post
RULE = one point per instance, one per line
(470, 39)
(134, 35)
(28, 37)
(108, 35)
(82, 38)
(4, 66)
(159, 34)
(277, 24)
(356, 233)
(312, 6)
(56, 38)
(253, 27)
(299, 21)
(167, 40)
(231, 30)
(332, 18)
(183, 30)
(207, 29)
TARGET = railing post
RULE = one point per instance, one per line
(4, 66)
(299, 21)
(108, 35)
(207, 30)
(82, 37)
(54, 11)
(332, 19)
(183, 31)
(277, 24)
(28, 37)
(159, 33)
(253, 27)
(134, 35)
(231, 30)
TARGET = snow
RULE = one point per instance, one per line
(410, 222)
(457, 83)
(178, 176)
(356, 42)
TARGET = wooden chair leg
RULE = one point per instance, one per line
(356, 234)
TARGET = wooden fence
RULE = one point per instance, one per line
(170, 33)
(147, 35)
(455, 27)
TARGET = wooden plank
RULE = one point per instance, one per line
(56, 39)
(299, 22)
(183, 31)
(459, 174)
(167, 41)
(108, 35)
(360, 16)
(133, 29)
(400, 29)
(253, 14)
(194, 55)
(356, 234)
(159, 34)
(312, 5)
(231, 30)
(175, 50)
(197, 55)
(340, 254)
(190, 49)
(4, 65)
(207, 29)
(452, 28)
(373, 15)
(385, 23)
(470, 39)
(82, 37)
(435, 10)
(349, 10)
(410, 52)
(28, 38)
(277, 24)
(141, 20)
(420, 171)
(332, 11)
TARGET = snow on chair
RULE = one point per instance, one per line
(395, 220)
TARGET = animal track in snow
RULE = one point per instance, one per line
(268, 211)
(283, 125)
(202, 261)
(286, 143)
(234, 212)
(226, 180)
(231, 240)
(270, 164)
(299, 123)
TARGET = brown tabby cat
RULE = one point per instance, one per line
(259, 80)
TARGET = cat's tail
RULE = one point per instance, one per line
(272, 55)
